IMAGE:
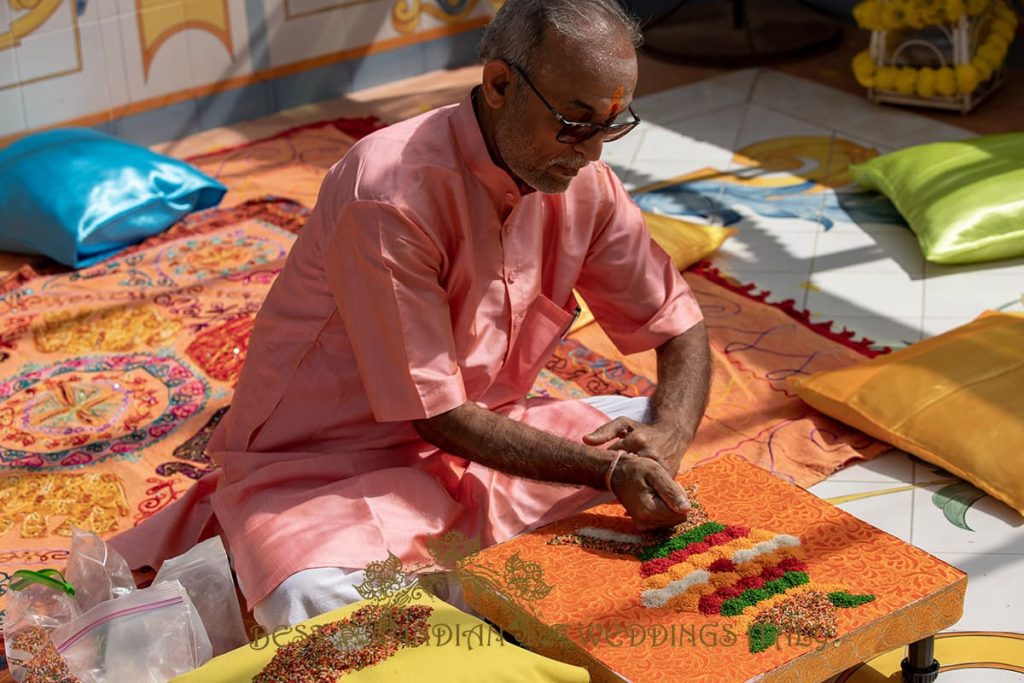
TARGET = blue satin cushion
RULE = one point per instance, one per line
(79, 196)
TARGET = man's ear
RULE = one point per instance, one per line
(497, 79)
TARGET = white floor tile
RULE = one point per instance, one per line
(1013, 266)
(994, 601)
(709, 138)
(12, 111)
(850, 248)
(773, 226)
(761, 124)
(931, 326)
(893, 468)
(757, 250)
(856, 295)
(622, 152)
(895, 333)
(889, 510)
(647, 173)
(729, 90)
(848, 113)
(968, 294)
(782, 286)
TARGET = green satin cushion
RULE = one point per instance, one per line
(964, 200)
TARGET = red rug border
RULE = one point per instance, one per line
(846, 337)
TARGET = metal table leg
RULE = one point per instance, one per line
(920, 665)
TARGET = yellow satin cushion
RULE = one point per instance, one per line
(955, 400)
(454, 651)
(686, 243)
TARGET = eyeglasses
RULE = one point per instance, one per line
(575, 132)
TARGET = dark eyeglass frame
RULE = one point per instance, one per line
(575, 132)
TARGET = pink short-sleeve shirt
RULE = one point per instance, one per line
(424, 279)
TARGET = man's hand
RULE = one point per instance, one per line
(662, 443)
(651, 497)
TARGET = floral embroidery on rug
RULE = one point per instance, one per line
(194, 451)
(220, 351)
(85, 410)
(32, 502)
(121, 328)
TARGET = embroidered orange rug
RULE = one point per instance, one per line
(765, 582)
(290, 164)
(751, 412)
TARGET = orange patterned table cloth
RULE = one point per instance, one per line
(765, 582)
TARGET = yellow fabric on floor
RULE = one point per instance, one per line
(955, 400)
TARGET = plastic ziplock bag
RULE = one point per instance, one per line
(206, 575)
(40, 602)
(97, 571)
(150, 636)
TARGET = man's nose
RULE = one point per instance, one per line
(590, 148)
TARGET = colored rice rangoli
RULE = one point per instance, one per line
(371, 635)
(754, 578)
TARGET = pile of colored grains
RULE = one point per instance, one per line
(809, 614)
(368, 637)
(46, 666)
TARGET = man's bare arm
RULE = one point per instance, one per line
(677, 406)
(475, 433)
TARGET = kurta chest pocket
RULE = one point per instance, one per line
(542, 328)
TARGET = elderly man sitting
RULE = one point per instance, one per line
(382, 399)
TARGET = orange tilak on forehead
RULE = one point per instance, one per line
(616, 101)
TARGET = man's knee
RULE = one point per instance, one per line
(307, 594)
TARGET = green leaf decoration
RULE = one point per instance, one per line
(762, 636)
(955, 500)
(847, 600)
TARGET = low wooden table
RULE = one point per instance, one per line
(593, 613)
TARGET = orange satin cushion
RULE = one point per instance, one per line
(955, 400)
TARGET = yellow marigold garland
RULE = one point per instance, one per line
(889, 15)
(883, 15)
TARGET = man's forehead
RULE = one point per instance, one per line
(591, 75)
(606, 95)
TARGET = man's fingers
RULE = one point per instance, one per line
(617, 428)
(669, 491)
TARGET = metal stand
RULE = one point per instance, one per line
(920, 665)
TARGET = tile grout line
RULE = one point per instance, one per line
(107, 86)
(706, 112)
(739, 130)
(21, 91)
(904, 115)
(821, 225)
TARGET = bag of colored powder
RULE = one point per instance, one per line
(40, 603)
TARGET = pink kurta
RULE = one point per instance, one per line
(423, 279)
